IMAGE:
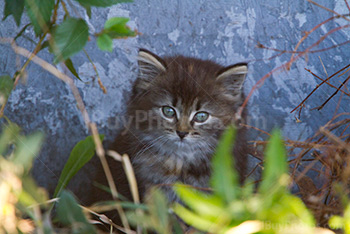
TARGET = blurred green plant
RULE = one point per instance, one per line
(156, 217)
(24, 207)
(341, 222)
(18, 191)
(234, 209)
(230, 208)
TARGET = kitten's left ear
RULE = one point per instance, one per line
(232, 78)
(150, 66)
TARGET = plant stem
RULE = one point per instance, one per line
(95, 69)
(35, 51)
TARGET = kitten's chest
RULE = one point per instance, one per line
(165, 170)
(165, 174)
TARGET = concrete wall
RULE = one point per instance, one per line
(221, 30)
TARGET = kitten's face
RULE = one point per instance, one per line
(181, 105)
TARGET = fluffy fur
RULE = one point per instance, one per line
(166, 150)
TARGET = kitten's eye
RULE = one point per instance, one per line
(168, 111)
(201, 117)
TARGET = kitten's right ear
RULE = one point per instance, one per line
(232, 78)
(150, 66)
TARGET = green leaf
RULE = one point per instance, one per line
(116, 28)
(105, 43)
(82, 152)
(14, 8)
(70, 213)
(101, 3)
(336, 222)
(69, 38)
(224, 178)
(158, 208)
(71, 68)
(88, 11)
(157, 218)
(31, 194)
(6, 86)
(204, 204)
(275, 165)
(195, 220)
(27, 149)
(39, 12)
(9, 134)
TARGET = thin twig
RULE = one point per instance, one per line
(327, 9)
(95, 69)
(347, 4)
(333, 86)
(306, 36)
(107, 220)
(286, 65)
(324, 68)
(35, 51)
(318, 87)
(335, 139)
(261, 46)
(341, 85)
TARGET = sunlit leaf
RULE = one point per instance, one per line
(14, 8)
(70, 213)
(224, 178)
(158, 208)
(105, 43)
(82, 152)
(101, 3)
(195, 220)
(69, 38)
(39, 12)
(201, 203)
(336, 222)
(275, 165)
(116, 27)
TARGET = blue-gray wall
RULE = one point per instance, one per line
(224, 31)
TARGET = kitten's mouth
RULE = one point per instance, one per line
(182, 142)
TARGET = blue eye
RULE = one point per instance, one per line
(201, 117)
(168, 111)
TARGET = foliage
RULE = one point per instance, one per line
(230, 208)
(70, 213)
(24, 207)
(22, 201)
(71, 35)
(114, 28)
(81, 154)
(338, 222)
(17, 189)
(270, 210)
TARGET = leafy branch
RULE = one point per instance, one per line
(67, 38)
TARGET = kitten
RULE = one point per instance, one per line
(178, 109)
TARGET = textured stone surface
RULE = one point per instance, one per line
(224, 31)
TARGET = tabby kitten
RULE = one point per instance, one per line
(179, 108)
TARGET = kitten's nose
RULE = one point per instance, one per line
(181, 134)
